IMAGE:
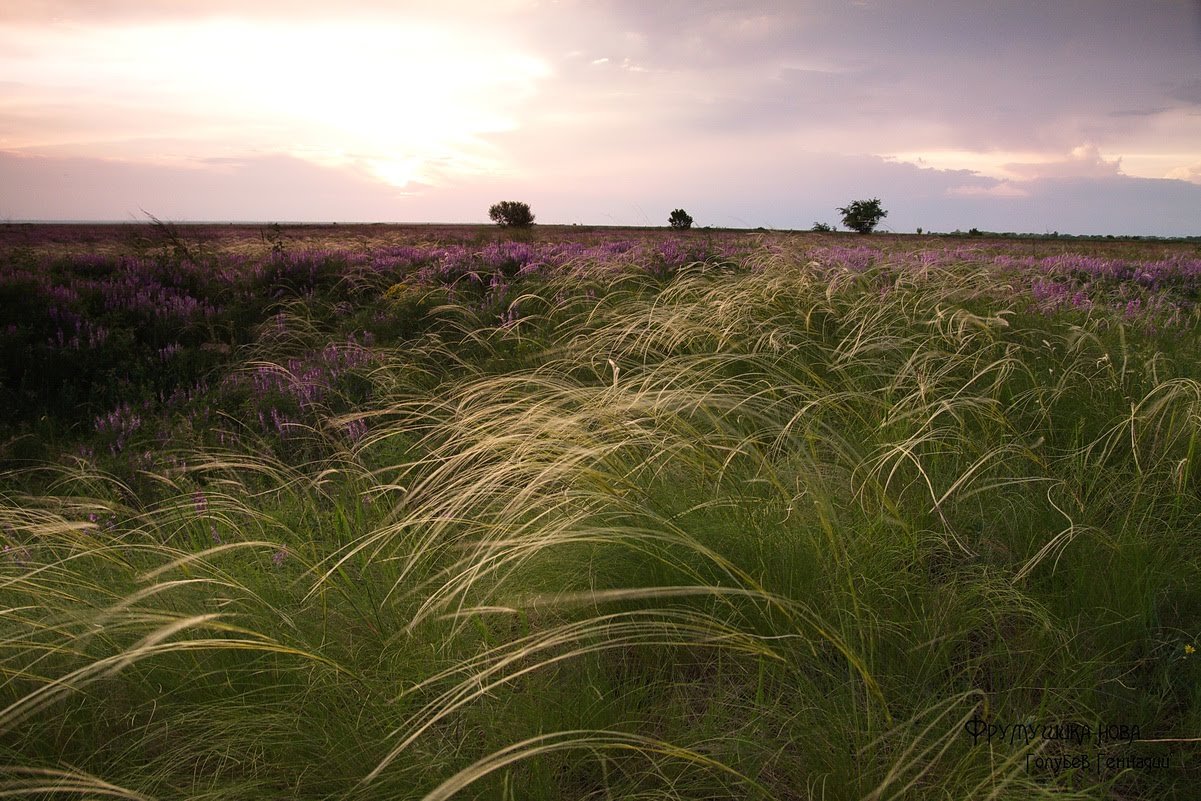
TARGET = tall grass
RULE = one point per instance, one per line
(782, 531)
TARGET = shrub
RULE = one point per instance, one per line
(511, 214)
(680, 219)
(863, 215)
(821, 227)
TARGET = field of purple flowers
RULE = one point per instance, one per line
(365, 511)
(107, 327)
(125, 340)
(105, 339)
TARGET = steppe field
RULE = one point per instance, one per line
(430, 512)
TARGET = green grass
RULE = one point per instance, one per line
(747, 534)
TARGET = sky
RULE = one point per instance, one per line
(1075, 116)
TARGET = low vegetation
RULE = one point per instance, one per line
(659, 517)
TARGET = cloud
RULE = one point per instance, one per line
(1191, 173)
(770, 113)
(390, 98)
(1188, 92)
(263, 188)
(1113, 204)
(1140, 112)
(1084, 161)
(1003, 189)
(754, 187)
(878, 79)
(139, 11)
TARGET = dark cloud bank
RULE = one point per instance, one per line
(793, 193)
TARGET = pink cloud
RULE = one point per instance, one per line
(1190, 173)
(1084, 161)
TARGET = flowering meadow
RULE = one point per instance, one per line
(428, 512)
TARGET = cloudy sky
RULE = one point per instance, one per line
(1078, 116)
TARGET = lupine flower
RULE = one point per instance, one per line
(122, 422)
(355, 430)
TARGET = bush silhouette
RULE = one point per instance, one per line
(863, 215)
(680, 219)
(511, 214)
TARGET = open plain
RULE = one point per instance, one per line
(366, 512)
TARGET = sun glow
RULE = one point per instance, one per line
(403, 102)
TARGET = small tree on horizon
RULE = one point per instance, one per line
(680, 219)
(863, 215)
(511, 214)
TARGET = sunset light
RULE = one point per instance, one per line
(1013, 116)
(406, 103)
